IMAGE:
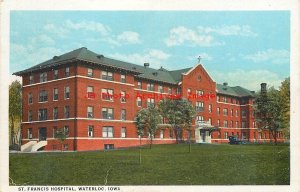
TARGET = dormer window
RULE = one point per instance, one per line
(123, 78)
(90, 72)
(67, 72)
(31, 79)
(43, 77)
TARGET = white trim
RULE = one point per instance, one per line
(103, 138)
(235, 128)
(234, 104)
(191, 70)
(109, 120)
(136, 89)
(98, 79)
(48, 81)
(49, 120)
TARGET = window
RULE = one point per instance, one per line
(139, 101)
(243, 124)
(30, 98)
(189, 91)
(232, 133)
(218, 98)
(200, 118)
(232, 100)
(43, 77)
(55, 74)
(43, 96)
(244, 135)
(67, 111)
(31, 79)
(107, 75)
(210, 108)
(29, 133)
(123, 97)
(225, 99)
(150, 102)
(107, 113)
(123, 114)
(161, 134)
(199, 106)
(90, 131)
(231, 124)
(199, 78)
(67, 72)
(90, 72)
(225, 123)
(123, 132)
(55, 113)
(218, 122)
(150, 87)
(66, 147)
(29, 115)
(236, 113)
(231, 112)
(67, 92)
(209, 120)
(123, 78)
(107, 132)
(171, 133)
(54, 131)
(238, 134)
(42, 114)
(90, 112)
(253, 124)
(225, 112)
(90, 92)
(236, 124)
(66, 129)
(160, 89)
(225, 135)
(139, 85)
(218, 110)
(55, 94)
(178, 90)
(254, 135)
(243, 113)
(199, 92)
(107, 94)
(169, 90)
(259, 135)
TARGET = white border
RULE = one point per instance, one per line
(292, 5)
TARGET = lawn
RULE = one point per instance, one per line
(161, 165)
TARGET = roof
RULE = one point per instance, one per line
(237, 91)
(83, 54)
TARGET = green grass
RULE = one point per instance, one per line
(161, 165)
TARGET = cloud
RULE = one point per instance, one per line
(248, 79)
(88, 26)
(58, 30)
(279, 56)
(24, 56)
(155, 57)
(180, 35)
(42, 39)
(129, 37)
(226, 30)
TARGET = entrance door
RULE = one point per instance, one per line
(202, 134)
(42, 134)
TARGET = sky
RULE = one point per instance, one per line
(242, 48)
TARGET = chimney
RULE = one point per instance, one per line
(146, 64)
(263, 88)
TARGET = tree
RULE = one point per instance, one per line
(188, 114)
(269, 111)
(179, 114)
(147, 121)
(61, 134)
(284, 91)
(15, 108)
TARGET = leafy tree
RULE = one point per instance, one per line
(147, 120)
(179, 114)
(284, 91)
(269, 112)
(188, 114)
(15, 108)
(61, 134)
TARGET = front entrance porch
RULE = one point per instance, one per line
(203, 132)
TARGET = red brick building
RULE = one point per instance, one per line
(95, 99)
